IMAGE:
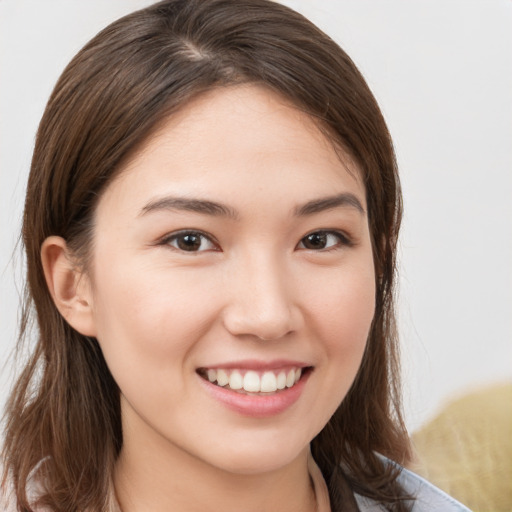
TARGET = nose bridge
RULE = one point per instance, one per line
(260, 301)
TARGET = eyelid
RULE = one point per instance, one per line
(344, 239)
(166, 239)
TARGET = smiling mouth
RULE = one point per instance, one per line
(253, 382)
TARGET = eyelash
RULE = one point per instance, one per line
(182, 234)
(343, 240)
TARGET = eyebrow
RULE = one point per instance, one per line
(328, 203)
(207, 207)
(189, 204)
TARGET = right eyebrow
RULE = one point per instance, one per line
(189, 204)
(344, 200)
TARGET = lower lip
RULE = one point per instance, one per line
(257, 406)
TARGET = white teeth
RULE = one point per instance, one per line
(290, 379)
(268, 382)
(252, 382)
(222, 377)
(281, 380)
(236, 380)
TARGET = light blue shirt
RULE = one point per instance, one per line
(428, 497)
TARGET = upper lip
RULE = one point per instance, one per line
(255, 364)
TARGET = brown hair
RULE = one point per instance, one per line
(64, 412)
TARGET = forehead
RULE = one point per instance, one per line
(240, 136)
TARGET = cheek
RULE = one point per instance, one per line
(340, 313)
(343, 311)
(343, 306)
(148, 322)
(149, 314)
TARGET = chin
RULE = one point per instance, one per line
(256, 457)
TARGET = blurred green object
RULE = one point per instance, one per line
(467, 449)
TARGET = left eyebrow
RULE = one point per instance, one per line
(190, 204)
(327, 203)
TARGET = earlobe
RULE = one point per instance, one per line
(68, 285)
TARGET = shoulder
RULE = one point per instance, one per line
(427, 497)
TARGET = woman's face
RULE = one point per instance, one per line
(234, 247)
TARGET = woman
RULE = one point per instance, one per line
(210, 228)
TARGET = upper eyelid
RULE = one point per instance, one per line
(174, 234)
(342, 234)
(345, 240)
(170, 236)
(345, 237)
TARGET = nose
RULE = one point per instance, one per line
(260, 301)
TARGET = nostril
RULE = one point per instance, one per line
(258, 328)
(269, 337)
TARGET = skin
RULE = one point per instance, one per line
(254, 290)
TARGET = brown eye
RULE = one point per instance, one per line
(315, 241)
(190, 241)
(322, 240)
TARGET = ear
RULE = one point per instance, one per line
(69, 286)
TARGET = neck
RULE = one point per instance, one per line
(159, 476)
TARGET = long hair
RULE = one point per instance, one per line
(63, 416)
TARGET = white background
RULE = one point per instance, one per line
(442, 72)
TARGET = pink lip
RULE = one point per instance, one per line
(257, 406)
(254, 364)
